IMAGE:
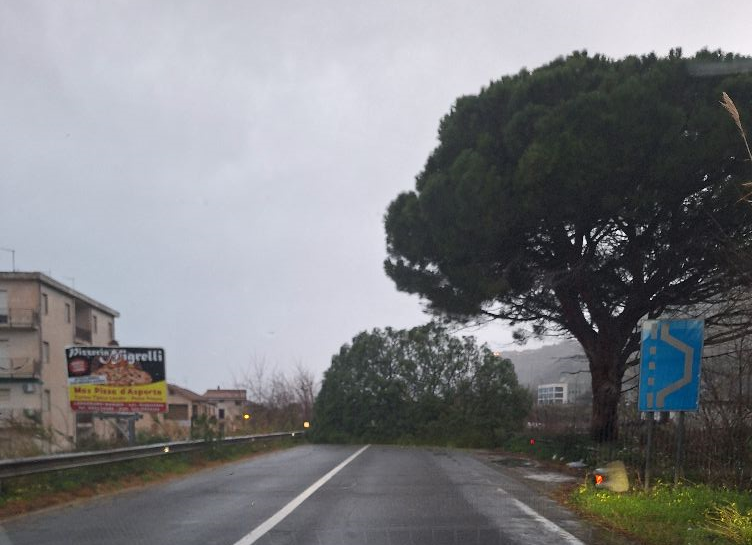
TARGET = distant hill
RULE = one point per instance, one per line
(561, 362)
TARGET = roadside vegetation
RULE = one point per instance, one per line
(32, 492)
(279, 401)
(419, 386)
(685, 514)
(667, 515)
(694, 514)
(582, 197)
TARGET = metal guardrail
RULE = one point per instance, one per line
(41, 464)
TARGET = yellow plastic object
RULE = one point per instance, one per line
(613, 477)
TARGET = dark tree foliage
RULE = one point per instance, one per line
(581, 198)
(419, 385)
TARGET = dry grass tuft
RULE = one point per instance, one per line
(729, 522)
(730, 107)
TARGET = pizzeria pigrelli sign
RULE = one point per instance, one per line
(116, 379)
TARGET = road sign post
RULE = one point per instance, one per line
(670, 366)
(649, 449)
(679, 464)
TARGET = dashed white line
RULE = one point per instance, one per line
(277, 517)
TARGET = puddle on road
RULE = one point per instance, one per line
(550, 477)
(531, 473)
(513, 462)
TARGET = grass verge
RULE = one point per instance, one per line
(32, 492)
(685, 515)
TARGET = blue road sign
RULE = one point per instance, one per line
(670, 356)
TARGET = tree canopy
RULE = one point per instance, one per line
(581, 197)
(419, 385)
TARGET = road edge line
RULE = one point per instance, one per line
(548, 524)
(277, 517)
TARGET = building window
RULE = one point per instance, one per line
(221, 414)
(46, 352)
(237, 403)
(45, 304)
(94, 323)
(3, 307)
(67, 312)
(111, 330)
(47, 401)
(177, 412)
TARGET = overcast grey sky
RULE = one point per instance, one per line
(218, 171)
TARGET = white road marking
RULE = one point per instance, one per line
(277, 517)
(550, 526)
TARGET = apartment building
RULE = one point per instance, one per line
(39, 317)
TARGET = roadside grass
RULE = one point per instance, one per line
(32, 492)
(566, 446)
(665, 515)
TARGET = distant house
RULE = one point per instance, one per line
(183, 407)
(231, 405)
(553, 394)
(556, 374)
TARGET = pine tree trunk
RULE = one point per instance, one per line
(606, 372)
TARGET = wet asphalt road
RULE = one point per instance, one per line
(386, 495)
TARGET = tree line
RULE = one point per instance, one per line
(420, 385)
(278, 401)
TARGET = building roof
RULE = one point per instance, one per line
(54, 284)
(185, 392)
(218, 394)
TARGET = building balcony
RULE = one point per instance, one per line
(83, 335)
(19, 369)
(20, 318)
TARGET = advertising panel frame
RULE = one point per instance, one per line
(116, 379)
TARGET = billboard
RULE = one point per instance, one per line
(116, 379)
